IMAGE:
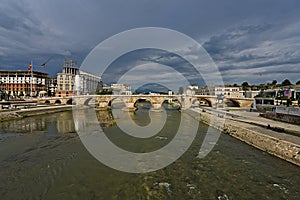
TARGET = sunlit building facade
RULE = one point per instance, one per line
(23, 83)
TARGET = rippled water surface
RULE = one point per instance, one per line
(43, 158)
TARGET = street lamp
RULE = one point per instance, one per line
(220, 100)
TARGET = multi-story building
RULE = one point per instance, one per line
(52, 86)
(86, 83)
(120, 89)
(23, 83)
(66, 79)
(229, 92)
(191, 89)
(72, 81)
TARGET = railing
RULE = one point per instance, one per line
(288, 110)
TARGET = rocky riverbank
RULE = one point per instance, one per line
(279, 144)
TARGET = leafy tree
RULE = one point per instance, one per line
(245, 85)
(235, 85)
(103, 92)
(298, 82)
(286, 82)
(180, 90)
(274, 82)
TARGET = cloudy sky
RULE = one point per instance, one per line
(255, 41)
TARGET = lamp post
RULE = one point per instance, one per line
(220, 101)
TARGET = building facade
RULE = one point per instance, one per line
(66, 79)
(72, 81)
(121, 89)
(86, 83)
(227, 92)
(21, 83)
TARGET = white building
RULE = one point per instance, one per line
(227, 92)
(73, 81)
(191, 89)
(121, 89)
(86, 83)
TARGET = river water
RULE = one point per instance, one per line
(42, 157)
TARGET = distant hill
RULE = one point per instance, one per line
(153, 88)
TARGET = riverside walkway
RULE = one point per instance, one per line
(277, 138)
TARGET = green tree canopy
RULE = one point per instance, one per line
(274, 82)
(180, 90)
(298, 82)
(286, 82)
(245, 85)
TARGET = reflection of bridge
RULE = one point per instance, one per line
(185, 101)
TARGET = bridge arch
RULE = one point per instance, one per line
(57, 101)
(174, 100)
(110, 101)
(47, 102)
(232, 103)
(207, 100)
(69, 102)
(141, 99)
(87, 101)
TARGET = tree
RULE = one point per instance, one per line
(286, 82)
(298, 82)
(245, 85)
(274, 82)
(180, 90)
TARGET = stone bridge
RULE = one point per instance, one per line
(185, 101)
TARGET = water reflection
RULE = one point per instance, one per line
(36, 166)
(59, 122)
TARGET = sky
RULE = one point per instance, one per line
(255, 41)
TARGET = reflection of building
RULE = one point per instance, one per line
(86, 83)
(24, 125)
(20, 82)
(229, 92)
(66, 79)
(65, 125)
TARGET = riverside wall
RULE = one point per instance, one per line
(15, 114)
(281, 148)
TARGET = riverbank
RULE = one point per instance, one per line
(16, 114)
(257, 132)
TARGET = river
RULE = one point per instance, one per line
(42, 157)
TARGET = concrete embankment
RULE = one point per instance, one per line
(279, 144)
(15, 114)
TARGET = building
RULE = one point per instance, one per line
(66, 79)
(86, 83)
(227, 92)
(73, 81)
(191, 89)
(121, 89)
(20, 83)
(52, 86)
(251, 93)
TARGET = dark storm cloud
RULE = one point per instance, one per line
(145, 56)
(257, 49)
(241, 36)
